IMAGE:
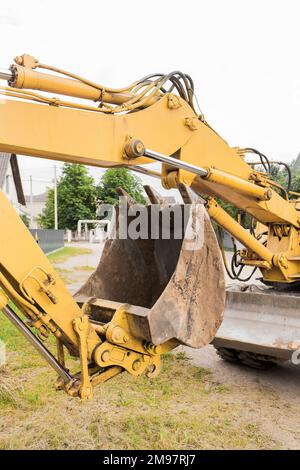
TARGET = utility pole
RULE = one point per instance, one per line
(55, 200)
(31, 203)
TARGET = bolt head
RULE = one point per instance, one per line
(268, 194)
(137, 364)
(105, 356)
(138, 148)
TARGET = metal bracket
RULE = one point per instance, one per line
(127, 351)
(43, 285)
(81, 326)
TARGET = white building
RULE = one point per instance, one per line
(10, 181)
(35, 205)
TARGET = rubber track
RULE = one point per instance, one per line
(249, 359)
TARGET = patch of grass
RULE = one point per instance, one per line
(182, 431)
(65, 275)
(32, 397)
(123, 400)
(183, 408)
(63, 271)
(182, 356)
(69, 275)
(7, 391)
(20, 353)
(169, 412)
(222, 388)
(13, 340)
(62, 255)
(83, 268)
(9, 388)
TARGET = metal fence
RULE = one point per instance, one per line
(49, 240)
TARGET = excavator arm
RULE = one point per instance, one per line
(164, 301)
(34, 297)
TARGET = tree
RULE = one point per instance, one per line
(232, 210)
(76, 197)
(280, 175)
(25, 219)
(296, 181)
(119, 178)
(46, 218)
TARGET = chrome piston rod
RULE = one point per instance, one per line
(23, 328)
(5, 74)
(175, 162)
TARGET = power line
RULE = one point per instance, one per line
(31, 180)
(41, 180)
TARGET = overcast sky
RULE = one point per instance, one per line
(243, 56)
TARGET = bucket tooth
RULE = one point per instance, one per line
(130, 200)
(188, 195)
(154, 196)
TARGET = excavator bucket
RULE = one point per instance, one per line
(170, 278)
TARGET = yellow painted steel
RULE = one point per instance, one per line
(97, 136)
(32, 284)
(3, 300)
(26, 275)
(243, 187)
(27, 78)
(98, 139)
(170, 127)
(80, 136)
(232, 226)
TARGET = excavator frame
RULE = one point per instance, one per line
(138, 129)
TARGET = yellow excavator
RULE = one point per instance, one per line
(149, 294)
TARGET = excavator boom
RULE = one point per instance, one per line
(148, 294)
